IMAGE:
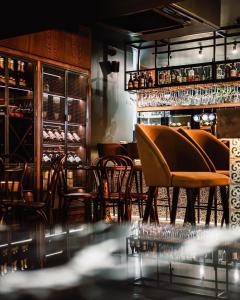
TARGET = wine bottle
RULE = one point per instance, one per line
(76, 137)
(45, 135)
(2, 73)
(70, 138)
(11, 79)
(57, 135)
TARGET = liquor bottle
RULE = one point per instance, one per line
(238, 70)
(203, 74)
(150, 80)
(220, 73)
(191, 75)
(227, 71)
(130, 82)
(11, 79)
(135, 81)
(173, 76)
(76, 137)
(233, 71)
(197, 76)
(184, 76)
(178, 76)
(2, 73)
(142, 81)
(161, 79)
(168, 77)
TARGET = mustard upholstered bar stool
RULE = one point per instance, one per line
(215, 153)
(170, 160)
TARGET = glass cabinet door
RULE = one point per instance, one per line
(53, 113)
(21, 108)
(17, 107)
(76, 128)
(2, 104)
(64, 109)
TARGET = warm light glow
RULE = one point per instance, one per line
(236, 275)
(201, 272)
(53, 75)
(53, 254)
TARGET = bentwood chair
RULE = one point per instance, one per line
(12, 200)
(215, 153)
(170, 160)
(114, 174)
(74, 198)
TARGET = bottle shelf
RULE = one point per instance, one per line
(229, 69)
(53, 123)
(53, 145)
(53, 94)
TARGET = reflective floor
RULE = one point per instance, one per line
(106, 261)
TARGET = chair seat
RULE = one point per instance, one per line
(223, 172)
(23, 203)
(198, 179)
(142, 196)
(84, 195)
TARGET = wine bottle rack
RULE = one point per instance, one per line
(64, 111)
(17, 107)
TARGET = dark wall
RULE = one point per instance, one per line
(113, 111)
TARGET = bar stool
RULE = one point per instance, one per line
(170, 160)
(216, 154)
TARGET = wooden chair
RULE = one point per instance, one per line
(12, 199)
(114, 174)
(73, 197)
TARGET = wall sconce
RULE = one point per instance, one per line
(200, 53)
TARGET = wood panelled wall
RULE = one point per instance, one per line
(72, 49)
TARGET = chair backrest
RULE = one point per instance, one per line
(132, 150)
(215, 152)
(162, 150)
(108, 149)
(53, 179)
(114, 174)
(11, 182)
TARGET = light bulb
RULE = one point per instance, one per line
(236, 275)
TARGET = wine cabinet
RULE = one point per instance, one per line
(64, 121)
